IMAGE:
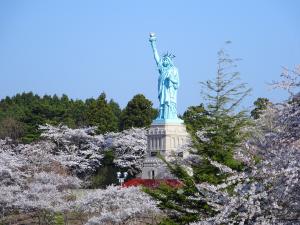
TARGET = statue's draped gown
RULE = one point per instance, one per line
(168, 83)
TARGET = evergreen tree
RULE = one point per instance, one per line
(100, 114)
(137, 113)
(224, 130)
(115, 108)
(77, 111)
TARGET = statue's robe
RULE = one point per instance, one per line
(168, 83)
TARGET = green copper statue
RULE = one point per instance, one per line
(168, 83)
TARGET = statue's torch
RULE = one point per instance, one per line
(152, 37)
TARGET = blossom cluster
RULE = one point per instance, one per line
(82, 151)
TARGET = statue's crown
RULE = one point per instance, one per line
(170, 55)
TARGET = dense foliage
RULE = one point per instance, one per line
(21, 115)
(138, 113)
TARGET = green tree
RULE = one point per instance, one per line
(107, 173)
(78, 112)
(225, 124)
(115, 108)
(100, 114)
(260, 105)
(138, 113)
(195, 118)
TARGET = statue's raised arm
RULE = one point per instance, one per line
(152, 40)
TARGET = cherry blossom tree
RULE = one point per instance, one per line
(32, 180)
(290, 80)
(38, 177)
(130, 148)
(116, 205)
(82, 151)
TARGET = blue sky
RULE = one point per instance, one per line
(82, 48)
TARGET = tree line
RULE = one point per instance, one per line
(21, 115)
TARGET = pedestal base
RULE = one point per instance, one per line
(155, 168)
(163, 138)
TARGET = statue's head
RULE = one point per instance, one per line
(167, 59)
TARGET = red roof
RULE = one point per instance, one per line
(152, 183)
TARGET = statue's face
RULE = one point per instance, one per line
(166, 61)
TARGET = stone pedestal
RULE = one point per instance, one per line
(163, 138)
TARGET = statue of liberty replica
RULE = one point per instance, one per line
(168, 83)
(167, 132)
